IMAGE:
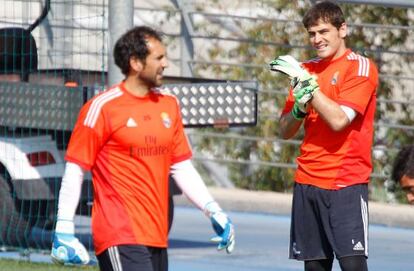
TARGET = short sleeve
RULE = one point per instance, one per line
(290, 101)
(87, 137)
(358, 88)
(181, 147)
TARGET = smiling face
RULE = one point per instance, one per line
(407, 184)
(328, 41)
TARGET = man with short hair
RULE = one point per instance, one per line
(403, 171)
(335, 101)
(131, 137)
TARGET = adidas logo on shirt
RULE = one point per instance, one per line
(131, 123)
(358, 246)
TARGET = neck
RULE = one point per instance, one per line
(340, 52)
(135, 87)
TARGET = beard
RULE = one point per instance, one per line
(151, 80)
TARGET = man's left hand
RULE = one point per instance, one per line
(289, 66)
(303, 90)
(223, 227)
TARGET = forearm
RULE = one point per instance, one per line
(69, 196)
(330, 111)
(288, 125)
(190, 182)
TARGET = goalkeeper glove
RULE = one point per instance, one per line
(289, 66)
(66, 248)
(303, 91)
(298, 112)
(302, 81)
(222, 225)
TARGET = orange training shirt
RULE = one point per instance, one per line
(129, 144)
(329, 159)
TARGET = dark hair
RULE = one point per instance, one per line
(327, 11)
(133, 44)
(403, 163)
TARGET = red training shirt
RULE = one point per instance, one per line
(129, 144)
(329, 159)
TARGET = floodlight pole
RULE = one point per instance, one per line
(121, 18)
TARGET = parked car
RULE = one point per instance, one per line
(31, 170)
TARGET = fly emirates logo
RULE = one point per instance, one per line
(150, 148)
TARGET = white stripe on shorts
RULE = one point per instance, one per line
(114, 258)
(364, 213)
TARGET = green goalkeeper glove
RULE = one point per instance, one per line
(289, 66)
(303, 83)
(303, 91)
(298, 112)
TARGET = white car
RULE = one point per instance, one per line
(31, 170)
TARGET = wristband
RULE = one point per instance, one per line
(297, 113)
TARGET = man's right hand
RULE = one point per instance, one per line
(67, 249)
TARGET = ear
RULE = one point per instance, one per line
(136, 64)
(343, 30)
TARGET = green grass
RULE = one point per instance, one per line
(15, 265)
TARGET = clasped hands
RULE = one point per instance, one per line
(303, 83)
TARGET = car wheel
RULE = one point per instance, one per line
(14, 229)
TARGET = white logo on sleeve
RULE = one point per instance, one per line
(131, 123)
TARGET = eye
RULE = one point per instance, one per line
(408, 189)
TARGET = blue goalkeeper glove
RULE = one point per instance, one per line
(66, 248)
(223, 227)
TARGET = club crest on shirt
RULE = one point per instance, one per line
(334, 79)
(166, 120)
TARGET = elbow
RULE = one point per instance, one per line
(339, 125)
(287, 127)
(284, 132)
(285, 135)
(337, 128)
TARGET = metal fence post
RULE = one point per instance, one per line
(121, 18)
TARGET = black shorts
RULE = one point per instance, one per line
(329, 222)
(133, 257)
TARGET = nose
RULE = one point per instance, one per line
(165, 63)
(317, 37)
(410, 198)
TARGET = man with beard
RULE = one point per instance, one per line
(131, 138)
